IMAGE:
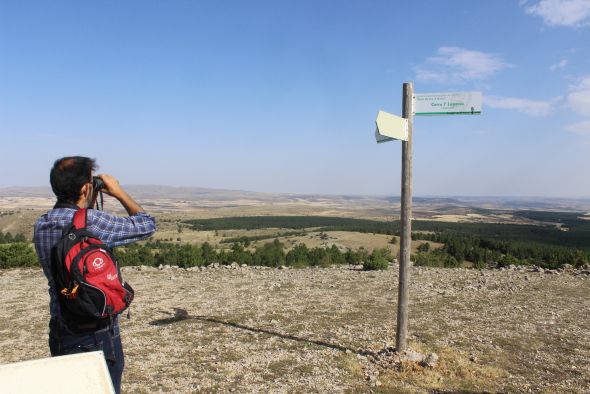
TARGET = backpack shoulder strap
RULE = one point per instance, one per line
(79, 221)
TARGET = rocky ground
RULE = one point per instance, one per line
(243, 329)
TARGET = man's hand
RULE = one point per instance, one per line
(112, 188)
(111, 185)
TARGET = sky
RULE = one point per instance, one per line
(282, 96)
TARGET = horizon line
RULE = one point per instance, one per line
(480, 196)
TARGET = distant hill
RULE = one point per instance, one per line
(26, 191)
(160, 192)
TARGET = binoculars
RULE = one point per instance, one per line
(97, 184)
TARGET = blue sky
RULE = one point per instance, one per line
(281, 96)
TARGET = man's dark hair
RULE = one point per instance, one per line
(69, 174)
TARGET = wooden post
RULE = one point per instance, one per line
(406, 224)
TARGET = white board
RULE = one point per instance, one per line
(84, 372)
(455, 103)
(390, 127)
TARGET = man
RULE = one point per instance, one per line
(71, 181)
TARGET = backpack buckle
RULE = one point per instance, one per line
(70, 295)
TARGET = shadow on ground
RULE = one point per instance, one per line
(181, 315)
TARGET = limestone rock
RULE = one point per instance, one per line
(430, 361)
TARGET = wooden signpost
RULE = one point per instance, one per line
(391, 127)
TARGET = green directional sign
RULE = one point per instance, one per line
(455, 103)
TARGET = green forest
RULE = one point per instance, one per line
(16, 251)
(270, 254)
(544, 245)
(8, 238)
(463, 244)
(577, 236)
(287, 222)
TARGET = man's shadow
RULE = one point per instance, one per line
(181, 315)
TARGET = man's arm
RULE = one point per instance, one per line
(112, 188)
(120, 230)
(116, 230)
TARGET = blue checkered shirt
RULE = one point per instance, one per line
(112, 230)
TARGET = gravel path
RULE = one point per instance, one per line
(321, 330)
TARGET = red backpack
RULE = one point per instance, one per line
(86, 274)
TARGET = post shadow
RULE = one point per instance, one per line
(181, 315)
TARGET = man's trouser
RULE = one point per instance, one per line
(107, 339)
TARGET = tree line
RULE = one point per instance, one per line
(547, 245)
(270, 254)
(481, 251)
(479, 243)
(18, 254)
(246, 240)
(8, 238)
(576, 234)
(16, 251)
(290, 222)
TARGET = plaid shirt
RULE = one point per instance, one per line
(112, 230)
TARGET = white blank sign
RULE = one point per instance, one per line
(390, 127)
(84, 372)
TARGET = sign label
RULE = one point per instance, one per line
(390, 127)
(457, 103)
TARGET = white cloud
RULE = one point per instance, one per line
(578, 100)
(453, 65)
(558, 66)
(571, 13)
(529, 107)
(579, 97)
(582, 128)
